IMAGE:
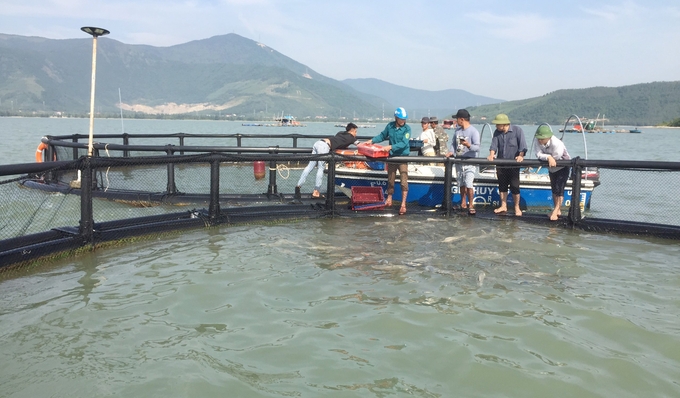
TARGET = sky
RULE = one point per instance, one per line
(496, 48)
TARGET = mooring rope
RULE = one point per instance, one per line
(106, 148)
(280, 167)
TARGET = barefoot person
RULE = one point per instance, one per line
(507, 143)
(465, 144)
(549, 148)
(398, 133)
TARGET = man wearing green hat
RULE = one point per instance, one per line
(550, 149)
(507, 143)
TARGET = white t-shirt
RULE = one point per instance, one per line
(431, 140)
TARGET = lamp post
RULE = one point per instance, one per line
(95, 32)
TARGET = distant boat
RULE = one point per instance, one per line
(635, 131)
(575, 129)
(448, 124)
(364, 126)
(286, 121)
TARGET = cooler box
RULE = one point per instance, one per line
(373, 151)
(367, 198)
(415, 144)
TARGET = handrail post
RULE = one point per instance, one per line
(272, 189)
(575, 207)
(214, 207)
(75, 150)
(126, 142)
(181, 143)
(49, 157)
(330, 186)
(86, 212)
(448, 185)
(171, 188)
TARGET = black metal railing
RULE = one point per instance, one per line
(92, 227)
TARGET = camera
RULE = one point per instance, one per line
(461, 148)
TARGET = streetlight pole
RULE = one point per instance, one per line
(95, 32)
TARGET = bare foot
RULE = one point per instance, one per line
(388, 202)
(500, 210)
(402, 210)
(518, 212)
(554, 215)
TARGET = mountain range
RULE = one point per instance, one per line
(226, 74)
(232, 76)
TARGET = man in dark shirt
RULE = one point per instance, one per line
(341, 140)
(507, 143)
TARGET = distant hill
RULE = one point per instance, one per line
(420, 102)
(230, 75)
(225, 74)
(635, 105)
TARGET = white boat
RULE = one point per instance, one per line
(426, 185)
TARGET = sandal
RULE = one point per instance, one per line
(316, 194)
(472, 212)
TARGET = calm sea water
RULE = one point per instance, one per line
(382, 306)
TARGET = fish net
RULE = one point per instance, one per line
(68, 205)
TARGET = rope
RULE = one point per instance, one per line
(106, 147)
(32, 217)
(282, 167)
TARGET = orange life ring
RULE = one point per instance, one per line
(349, 152)
(352, 164)
(356, 165)
(39, 152)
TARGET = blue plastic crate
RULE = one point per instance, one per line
(376, 165)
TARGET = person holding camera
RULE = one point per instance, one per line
(465, 144)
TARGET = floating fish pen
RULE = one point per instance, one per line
(136, 185)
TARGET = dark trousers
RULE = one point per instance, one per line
(508, 177)
(558, 180)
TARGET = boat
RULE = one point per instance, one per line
(635, 131)
(448, 124)
(361, 126)
(285, 121)
(426, 185)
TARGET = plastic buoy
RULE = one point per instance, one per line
(258, 169)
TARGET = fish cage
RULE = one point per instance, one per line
(137, 185)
